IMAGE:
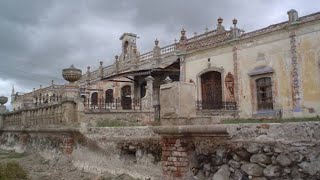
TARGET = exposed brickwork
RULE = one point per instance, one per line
(175, 158)
(23, 139)
(68, 145)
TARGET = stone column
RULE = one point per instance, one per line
(147, 100)
(182, 69)
(296, 77)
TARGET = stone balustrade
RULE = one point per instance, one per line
(39, 116)
(164, 51)
(168, 49)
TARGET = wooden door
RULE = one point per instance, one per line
(126, 97)
(211, 90)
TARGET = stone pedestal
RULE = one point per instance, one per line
(3, 110)
(70, 97)
(177, 99)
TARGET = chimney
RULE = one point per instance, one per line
(293, 16)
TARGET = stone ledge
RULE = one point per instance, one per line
(44, 130)
(204, 130)
(116, 111)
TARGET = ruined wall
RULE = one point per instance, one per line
(134, 117)
(135, 151)
(252, 151)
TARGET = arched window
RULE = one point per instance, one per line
(109, 96)
(94, 98)
(125, 47)
(126, 97)
(264, 93)
(211, 90)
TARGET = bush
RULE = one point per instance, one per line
(12, 170)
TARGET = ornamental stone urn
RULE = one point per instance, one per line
(3, 100)
(3, 108)
(71, 74)
(71, 90)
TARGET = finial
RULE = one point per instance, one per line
(220, 20)
(206, 29)
(195, 33)
(175, 40)
(183, 32)
(88, 68)
(116, 57)
(156, 42)
(183, 35)
(234, 22)
(52, 82)
(101, 63)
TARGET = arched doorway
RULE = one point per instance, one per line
(94, 99)
(126, 97)
(109, 96)
(143, 89)
(211, 90)
(264, 93)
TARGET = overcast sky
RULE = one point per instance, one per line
(38, 38)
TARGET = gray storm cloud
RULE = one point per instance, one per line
(39, 38)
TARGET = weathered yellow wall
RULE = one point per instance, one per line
(197, 62)
(276, 50)
(308, 47)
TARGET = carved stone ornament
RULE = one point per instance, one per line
(229, 81)
(3, 100)
(71, 74)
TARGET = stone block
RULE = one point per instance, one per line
(177, 99)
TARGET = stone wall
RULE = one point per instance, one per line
(135, 151)
(239, 152)
(132, 116)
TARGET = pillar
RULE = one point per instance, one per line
(182, 69)
(175, 158)
(147, 101)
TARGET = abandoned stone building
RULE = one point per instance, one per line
(270, 72)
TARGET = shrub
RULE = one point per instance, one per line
(12, 170)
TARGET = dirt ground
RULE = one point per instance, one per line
(61, 168)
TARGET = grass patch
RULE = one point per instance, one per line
(12, 170)
(11, 155)
(287, 120)
(115, 123)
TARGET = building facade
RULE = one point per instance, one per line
(270, 72)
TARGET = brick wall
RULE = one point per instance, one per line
(175, 161)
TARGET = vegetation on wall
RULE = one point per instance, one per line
(238, 121)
